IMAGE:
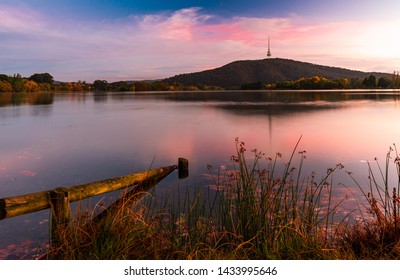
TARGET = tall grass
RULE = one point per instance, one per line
(281, 214)
(259, 208)
(125, 234)
(377, 234)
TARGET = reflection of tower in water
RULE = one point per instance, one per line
(270, 127)
(270, 114)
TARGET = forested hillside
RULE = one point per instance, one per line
(266, 71)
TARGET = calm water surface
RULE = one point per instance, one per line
(47, 141)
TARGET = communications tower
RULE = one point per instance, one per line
(269, 49)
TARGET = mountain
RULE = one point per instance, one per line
(235, 74)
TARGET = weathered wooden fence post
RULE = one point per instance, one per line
(60, 212)
(183, 168)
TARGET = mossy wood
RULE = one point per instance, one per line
(131, 195)
(19, 205)
(60, 212)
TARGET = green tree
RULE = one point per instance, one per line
(17, 83)
(3, 77)
(253, 86)
(100, 85)
(120, 86)
(142, 86)
(370, 82)
(356, 83)
(158, 86)
(395, 79)
(42, 78)
(384, 82)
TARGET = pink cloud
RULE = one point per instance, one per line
(251, 31)
(28, 173)
(19, 19)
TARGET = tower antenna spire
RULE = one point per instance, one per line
(269, 49)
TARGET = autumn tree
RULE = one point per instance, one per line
(5, 86)
(31, 86)
(344, 83)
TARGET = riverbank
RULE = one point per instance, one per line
(252, 211)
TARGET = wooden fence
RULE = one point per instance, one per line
(59, 199)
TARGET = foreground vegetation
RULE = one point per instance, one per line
(258, 209)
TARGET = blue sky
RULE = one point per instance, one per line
(108, 9)
(125, 40)
(123, 8)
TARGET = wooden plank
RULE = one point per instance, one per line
(19, 205)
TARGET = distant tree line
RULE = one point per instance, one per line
(316, 82)
(35, 83)
(44, 82)
(103, 85)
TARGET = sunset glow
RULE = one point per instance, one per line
(127, 40)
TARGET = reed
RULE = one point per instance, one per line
(283, 216)
(376, 235)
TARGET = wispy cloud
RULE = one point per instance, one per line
(163, 44)
(19, 20)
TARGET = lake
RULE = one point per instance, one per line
(53, 140)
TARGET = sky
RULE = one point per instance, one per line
(138, 40)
